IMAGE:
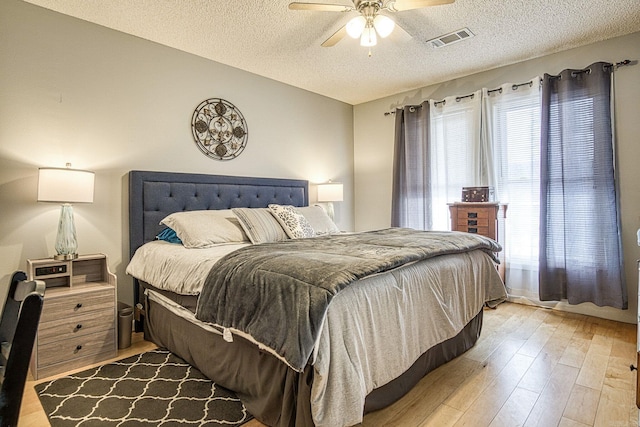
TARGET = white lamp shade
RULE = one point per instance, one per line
(65, 185)
(355, 26)
(369, 37)
(384, 25)
(330, 192)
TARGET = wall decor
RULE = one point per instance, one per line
(219, 129)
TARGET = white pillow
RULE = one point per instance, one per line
(294, 224)
(319, 220)
(260, 225)
(203, 229)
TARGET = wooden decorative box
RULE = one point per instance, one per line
(477, 194)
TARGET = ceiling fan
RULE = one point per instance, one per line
(371, 23)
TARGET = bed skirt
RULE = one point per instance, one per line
(272, 392)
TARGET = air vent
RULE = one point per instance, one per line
(451, 38)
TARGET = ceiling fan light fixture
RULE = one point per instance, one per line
(383, 25)
(369, 37)
(356, 26)
(370, 24)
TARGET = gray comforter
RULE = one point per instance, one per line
(278, 293)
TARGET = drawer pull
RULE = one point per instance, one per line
(472, 230)
(78, 348)
(78, 327)
(472, 222)
(78, 306)
(472, 214)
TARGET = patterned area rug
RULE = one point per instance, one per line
(154, 388)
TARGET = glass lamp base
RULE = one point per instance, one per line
(330, 210)
(66, 243)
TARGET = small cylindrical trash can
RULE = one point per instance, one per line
(125, 321)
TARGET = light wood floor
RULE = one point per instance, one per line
(530, 367)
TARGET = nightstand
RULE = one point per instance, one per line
(78, 321)
(486, 218)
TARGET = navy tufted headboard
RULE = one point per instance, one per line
(154, 195)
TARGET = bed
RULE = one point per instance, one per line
(356, 362)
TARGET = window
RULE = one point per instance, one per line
(455, 144)
(516, 139)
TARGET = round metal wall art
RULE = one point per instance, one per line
(219, 129)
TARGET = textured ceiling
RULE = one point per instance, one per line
(266, 38)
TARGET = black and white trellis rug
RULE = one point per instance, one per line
(155, 388)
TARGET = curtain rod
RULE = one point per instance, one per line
(616, 65)
(412, 108)
(624, 62)
(513, 87)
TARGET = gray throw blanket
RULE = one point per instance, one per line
(279, 292)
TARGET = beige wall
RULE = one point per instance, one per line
(72, 91)
(373, 143)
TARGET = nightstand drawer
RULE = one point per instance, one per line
(475, 230)
(472, 213)
(473, 222)
(72, 305)
(74, 348)
(75, 326)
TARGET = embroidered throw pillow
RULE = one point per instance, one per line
(294, 224)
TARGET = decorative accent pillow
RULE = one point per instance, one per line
(169, 235)
(203, 229)
(319, 220)
(260, 225)
(295, 224)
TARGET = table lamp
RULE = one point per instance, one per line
(66, 186)
(329, 193)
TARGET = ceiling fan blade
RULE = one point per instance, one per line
(323, 7)
(400, 5)
(336, 37)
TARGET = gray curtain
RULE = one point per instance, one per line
(410, 203)
(580, 245)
